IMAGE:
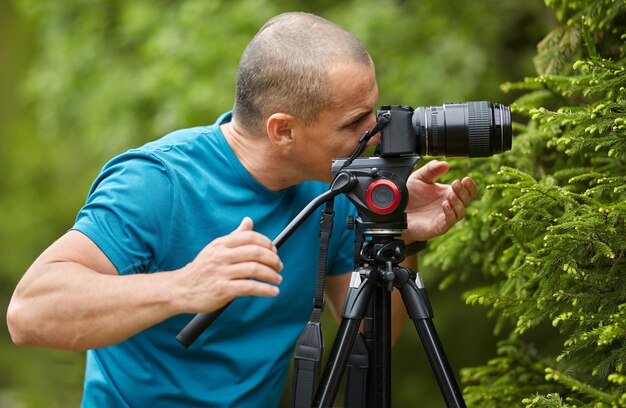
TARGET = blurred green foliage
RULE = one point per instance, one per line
(83, 80)
(548, 234)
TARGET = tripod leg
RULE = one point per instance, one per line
(380, 380)
(356, 375)
(419, 310)
(354, 310)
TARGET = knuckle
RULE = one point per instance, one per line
(257, 252)
(249, 287)
(220, 291)
(256, 270)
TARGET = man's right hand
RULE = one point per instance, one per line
(242, 263)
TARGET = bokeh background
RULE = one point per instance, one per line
(83, 80)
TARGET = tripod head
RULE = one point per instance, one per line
(380, 194)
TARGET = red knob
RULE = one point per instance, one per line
(382, 196)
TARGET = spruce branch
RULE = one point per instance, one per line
(578, 386)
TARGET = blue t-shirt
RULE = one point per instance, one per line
(153, 209)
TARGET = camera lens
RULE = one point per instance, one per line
(471, 129)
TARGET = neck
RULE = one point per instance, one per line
(259, 157)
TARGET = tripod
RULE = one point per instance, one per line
(373, 285)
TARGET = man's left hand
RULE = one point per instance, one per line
(434, 207)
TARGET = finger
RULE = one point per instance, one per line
(254, 270)
(239, 238)
(253, 253)
(449, 214)
(471, 186)
(462, 192)
(245, 225)
(433, 169)
(248, 287)
(456, 204)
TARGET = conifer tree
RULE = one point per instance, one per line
(549, 234)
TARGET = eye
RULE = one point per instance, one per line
(352, 126)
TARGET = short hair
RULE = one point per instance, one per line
(284, 68)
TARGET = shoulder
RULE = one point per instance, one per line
(190, 136)
(134, 167)
(163, 156)
(178, 138)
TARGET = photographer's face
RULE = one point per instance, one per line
(336, 132)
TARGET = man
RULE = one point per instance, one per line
(184, 225)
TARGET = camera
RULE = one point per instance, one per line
(470, 129)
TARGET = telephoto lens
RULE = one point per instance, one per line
(471, 129)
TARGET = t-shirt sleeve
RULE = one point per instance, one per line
(128, 211)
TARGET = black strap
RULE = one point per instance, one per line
(310, 347)
(326, 232)
(359, 239)
(356, 381)
(307, 360)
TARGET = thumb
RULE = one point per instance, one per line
(432, 170)
(245, 225)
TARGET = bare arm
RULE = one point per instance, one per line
(73, 298)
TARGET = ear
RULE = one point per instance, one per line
(280, 129)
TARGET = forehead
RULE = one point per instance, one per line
(353, 86)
